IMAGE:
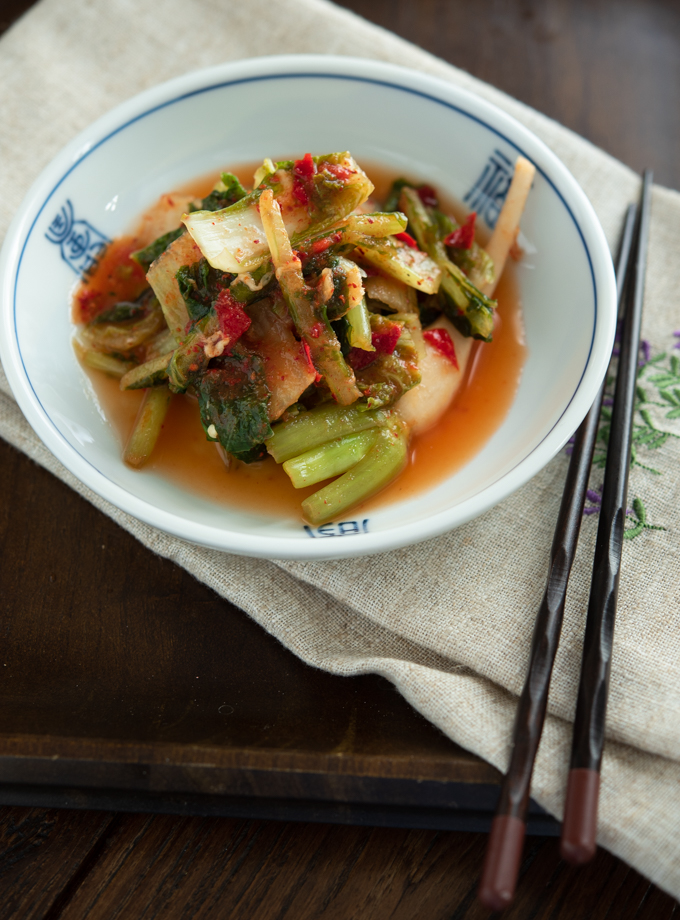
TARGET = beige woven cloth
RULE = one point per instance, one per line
(448, 621)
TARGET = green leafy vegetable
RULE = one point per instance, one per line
(189, 360)
(200, 285)
(147, 426)
(465, 305)
(383, 462)
(389, 376)
(324, 423)
(330, 459)
(123, 337)
(394, 194)
(233, 400)
(226, 192)
(150, 374)
(401, 261)
(252, 286)
(150, 253)
(126, 310)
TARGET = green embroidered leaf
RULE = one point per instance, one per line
(669, 397)
(631, 532)
(638, 518)
(664, 380)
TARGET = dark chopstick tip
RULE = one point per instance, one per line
(501, 865)
(579, 830)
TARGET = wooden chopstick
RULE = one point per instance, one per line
(504, 847)
(579, 827)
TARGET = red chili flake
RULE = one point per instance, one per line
(88, 305)
(358, 359)
(428, 196)
(303, 171)
(299, 192)
(256, 241)
(322, 245)
(306, 167)
(464, 236)
(385, 342)
(442, 341)
(193, 367)
(233, 320)
(406, 238)
(340, 172)
(308, 355)
(316, 330)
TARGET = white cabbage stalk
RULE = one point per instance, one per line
(233, 239)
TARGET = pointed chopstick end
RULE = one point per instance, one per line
(579, 830)
(501, 866)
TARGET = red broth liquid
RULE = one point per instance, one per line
(184, 456)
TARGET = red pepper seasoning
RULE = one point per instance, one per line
(385, 342)
(322, 245)
(305, 168)
(308, 355)
(358, 359)
(464, 236)
(303, 171)
(233, 320)
(340, 172)
(406, 238)
(428, 196)
(442, 341)
(299, 192)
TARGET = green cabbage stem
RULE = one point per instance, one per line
(383, 463)
(318, 426)
(329, 459)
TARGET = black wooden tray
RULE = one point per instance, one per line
(125, 684)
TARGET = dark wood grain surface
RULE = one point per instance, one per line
(101, 638)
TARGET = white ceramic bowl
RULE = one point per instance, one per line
(276, 106)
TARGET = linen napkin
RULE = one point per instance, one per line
(454, 644)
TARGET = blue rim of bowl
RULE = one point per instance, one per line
(306, 75)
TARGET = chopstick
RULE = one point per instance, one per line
(506, 838)
(579, 826)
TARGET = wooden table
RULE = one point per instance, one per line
(100, 634)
